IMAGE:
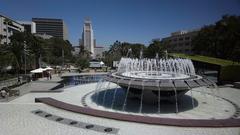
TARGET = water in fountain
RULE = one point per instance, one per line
(114, 95)
(105, 92)
(159, 97)
(125, 100)
(100, 87)
(155, 70)
(141, 100)
(176, 99)
(97, 88)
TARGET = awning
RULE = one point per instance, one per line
(39, 70)
(48, 68)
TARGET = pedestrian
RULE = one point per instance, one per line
(19, 81)
(47, 76)
(50, 75)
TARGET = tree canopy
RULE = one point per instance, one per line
(221, 40)
(35, 48)
(125, 49)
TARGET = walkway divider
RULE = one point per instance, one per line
(210, 123)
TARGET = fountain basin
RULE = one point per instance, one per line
(154, 86)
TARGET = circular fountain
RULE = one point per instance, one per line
(156, 91)
(165, 79)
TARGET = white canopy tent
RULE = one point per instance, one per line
(39, 70)
(48, 68)
(101, 63)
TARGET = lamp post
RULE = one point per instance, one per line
(25, 61)
(62, 58)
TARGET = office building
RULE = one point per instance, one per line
(87, 37)
(7, 28)
(180, 41)
(49, 26)
(98, 52)
(28, 26)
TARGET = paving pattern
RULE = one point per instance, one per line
(142, 119)
(17, 119)
(75, 123)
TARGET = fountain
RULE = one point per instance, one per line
(173, 77)
(153, 81)
(156, 91)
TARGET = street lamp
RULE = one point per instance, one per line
(62, 58)
(25, 61)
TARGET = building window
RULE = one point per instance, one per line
(174, 39)
(187, 38)
(180, 39)
(186, 44)
(4, 29)
(180, 44)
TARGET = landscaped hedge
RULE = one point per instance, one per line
(230, 73)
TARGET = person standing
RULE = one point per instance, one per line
(50, 75)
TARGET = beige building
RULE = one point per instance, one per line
(98, 52)
(7, 28)
(180, 41)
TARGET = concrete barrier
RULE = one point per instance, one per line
(237, 85)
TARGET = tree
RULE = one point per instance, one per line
(82, 62)
(154, 48)
(16, 48)
(55, 48)
(220, 39)
(119, 50)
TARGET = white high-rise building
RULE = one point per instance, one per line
(7, 28)
(87, 37)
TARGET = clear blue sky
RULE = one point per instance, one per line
(125, 20)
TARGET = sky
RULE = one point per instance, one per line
(135, 21)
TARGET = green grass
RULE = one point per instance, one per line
(205, 59)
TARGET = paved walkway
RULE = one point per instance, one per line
(41, 85)
(19, 119)
(87, 73)
(45, 85)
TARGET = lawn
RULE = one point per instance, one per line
(205, 59)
